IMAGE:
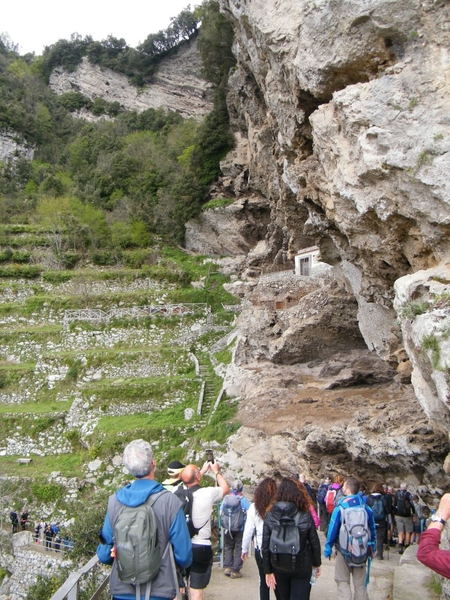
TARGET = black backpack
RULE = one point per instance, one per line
(186, 495)
(284, 545)
(402, 504)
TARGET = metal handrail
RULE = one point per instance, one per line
(70, 589)
(166, 310)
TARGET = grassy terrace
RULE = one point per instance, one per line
(158, 372)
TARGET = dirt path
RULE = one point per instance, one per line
(380, 588)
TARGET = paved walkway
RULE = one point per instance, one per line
(381, 585)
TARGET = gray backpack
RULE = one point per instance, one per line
(354, 535)
(138, 557)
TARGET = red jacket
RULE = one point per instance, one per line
(430, 555)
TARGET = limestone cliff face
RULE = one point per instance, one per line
(343, 109)
(177, 85)
(11, 148)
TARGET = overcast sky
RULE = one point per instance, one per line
(34, 24)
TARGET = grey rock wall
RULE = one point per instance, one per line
(343, 110)
(177, 85)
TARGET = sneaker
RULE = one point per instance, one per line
(227, 572)
(235, 575)
(401, 550)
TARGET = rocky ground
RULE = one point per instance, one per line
(388, 581)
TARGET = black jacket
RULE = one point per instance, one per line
(309, 540)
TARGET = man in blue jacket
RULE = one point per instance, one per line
(138, 459)
(343, 572)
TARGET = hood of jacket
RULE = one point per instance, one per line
(284, 509)
(138, 491)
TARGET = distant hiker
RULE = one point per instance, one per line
(334, 494)
(204, 500)
(429, 552)
(24, 519)
(14, 520)
(302, 479)
(377, 502)
(48, 535)
(233, 514)
(362, 492)
(311, 508)
(389, 497)
(174, 471)
(404, 513)
(37, 531)
(419, 523)
(352, 521)
(263, 499)
(321, 493)
(163, 539)
(290, 546)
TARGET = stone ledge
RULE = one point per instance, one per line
(411, 578)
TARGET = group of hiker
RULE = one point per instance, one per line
(14, 517)
(168, 528)
(47, 534)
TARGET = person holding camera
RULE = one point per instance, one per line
(204, 500)
(429, 553)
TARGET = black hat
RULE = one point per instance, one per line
(175, 467)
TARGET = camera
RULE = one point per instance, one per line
(210, 456)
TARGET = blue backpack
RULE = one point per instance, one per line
(232, 514)
(321, 493)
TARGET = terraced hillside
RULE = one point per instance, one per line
(82, 371)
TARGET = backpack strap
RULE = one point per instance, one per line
(174, 570)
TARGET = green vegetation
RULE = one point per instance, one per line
(224, 356)
(411, 309)
(99, 189)
(93, 221)
(434, 584)
(413, 102)
(114, 53)
(430, 342)
(45, 587)
(47, 492)
(217, 203)
(40, 467)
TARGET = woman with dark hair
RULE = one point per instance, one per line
(293, 581)
(380, 509)
(263, 499)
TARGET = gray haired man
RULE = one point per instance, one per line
(138, 459)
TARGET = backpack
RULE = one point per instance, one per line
(402, 504)
(379, 513)
(137, 553)
(232, 514)
(284, 545)
(354, 535)
(330, 498)
(186, 495)
(321, 493)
